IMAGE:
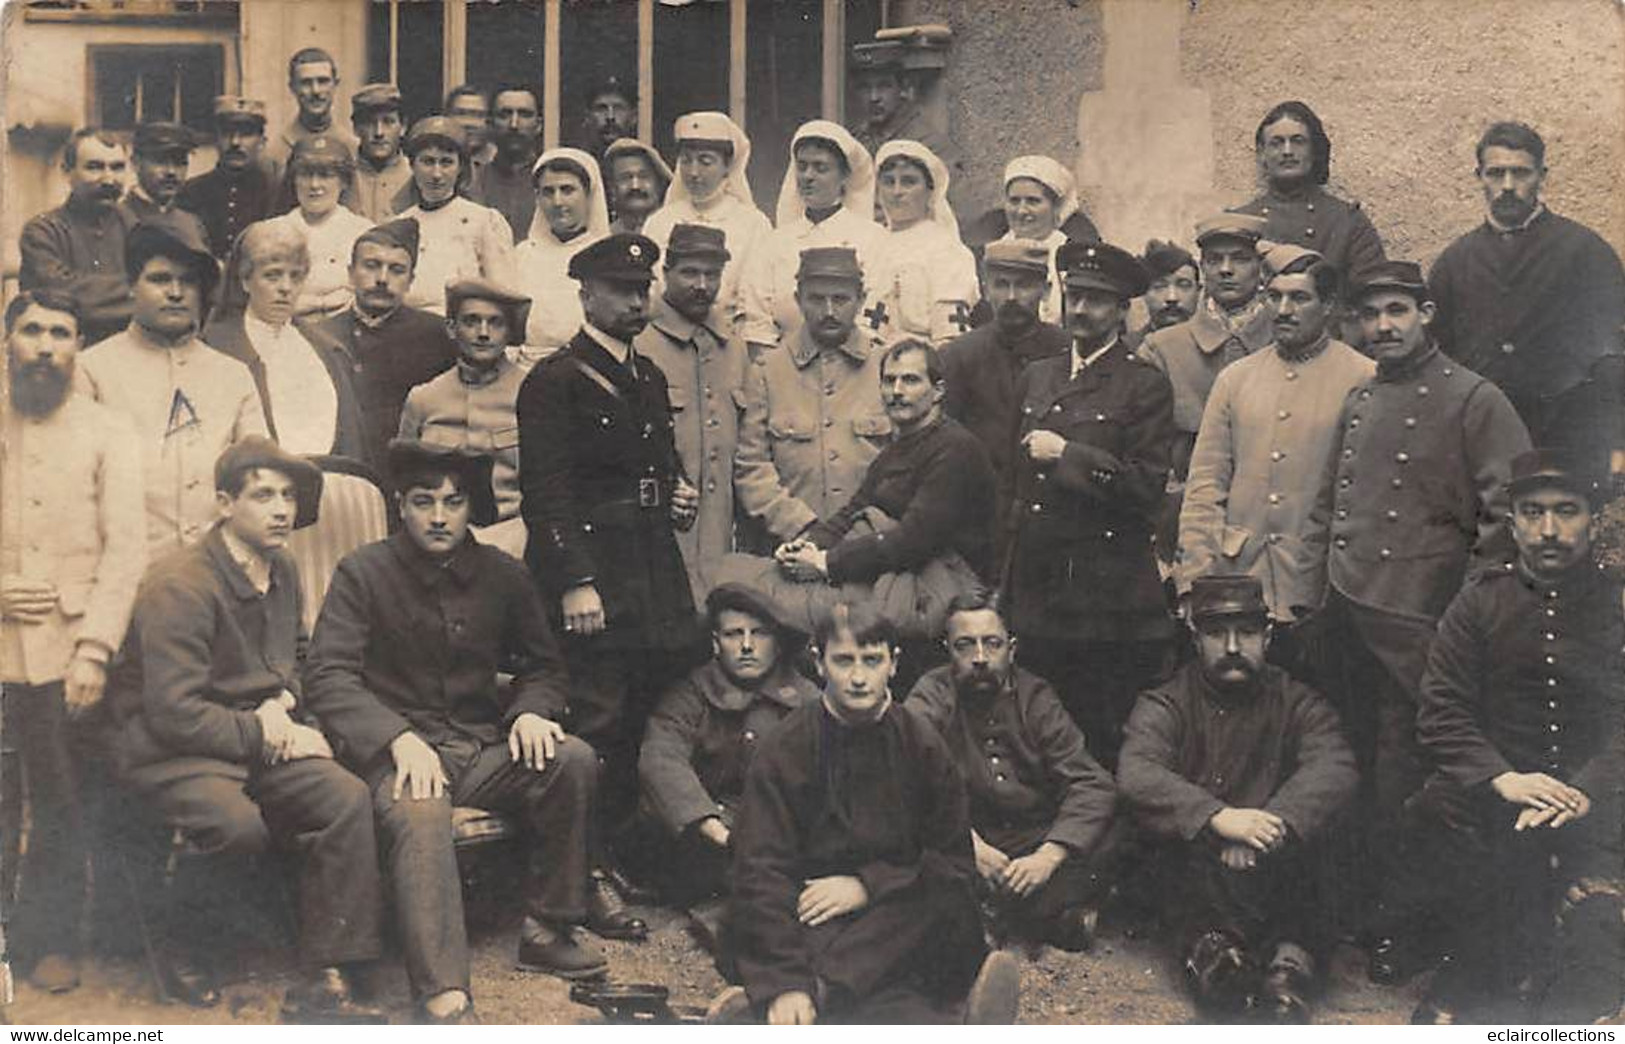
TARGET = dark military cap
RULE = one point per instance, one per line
(517, 306)
(436, 129)
(747, 599)
(1164, 259)
(257, 451)
(373, 97)
(1101, 266)
(153, 138)
(1227, 594)
(697, 241)
(1023, 255)
(612, 85)
(830, 263)
(233, 108)
(322, 150)
(876, 55)
(168, 235)
(624, 257)
(1561, 468)
(396, 232)
(407, 457)
(1404, 276)
(1227, 224)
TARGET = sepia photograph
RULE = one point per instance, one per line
(784, 512)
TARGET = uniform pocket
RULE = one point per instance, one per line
(875, 426)
(797, 429)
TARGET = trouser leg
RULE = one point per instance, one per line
(557, 806)
(325, 814)
(930, 935)
(52, 885)
(614, 691)
(417, 855)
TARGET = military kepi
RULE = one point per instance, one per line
(1021, 255)
(1101, 266)
(1555, 468)
(234, 108)
(830, 263)
(257, 451)
(624, 257)
(1227, 224)
(408, 457)
(515, 305)
(153, 139)
(697, 241)
(1404, 276)
(1227, 594)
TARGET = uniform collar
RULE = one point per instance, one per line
(1390, 370)
(675, 325)
(619, 351)
(724, 693)
(1081, 363)
(841, 721)
(1580, 578)
(804, 349)
(472, 378)
(1522, 226)
(460, 565)
(372, 322)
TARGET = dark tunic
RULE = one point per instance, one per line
(597, 463)
(144, 209)
(1029, 775)
(937, 485)
(1339, 231)
(1539, 311)
(386, 361)
(981, 369)
(1191, 751)
(513, 195)
(408, 643)
(1081, 565)
(882, 802)
(230, 201)
(701, 738)
(79, 249)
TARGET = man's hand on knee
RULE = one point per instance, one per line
(1547, 801)
(792, 1009)
(308, 742)
(1032, 871)
(826, 898)
(1264, 831)
(418, 772)
(533, 740)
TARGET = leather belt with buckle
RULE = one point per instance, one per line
(648, 493)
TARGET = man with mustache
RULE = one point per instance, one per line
(1521, 713)
(1176, 287)
(506, 183)
(637, 178)
(78, 248)
(471, 406)
(705, 364)
(161, 152)
(382, 172)
(391, 347)
(1237, 770)
(313, 80)
(1040, 806)
(71, 555)
(242, 188)
(403, 674)
(1263, 455)
(813, 415)
(1535, 302)
(611, 114)
(1419, 497)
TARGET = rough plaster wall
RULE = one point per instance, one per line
(1018, 71)
(1405, 87)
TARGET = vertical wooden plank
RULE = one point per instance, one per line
(395, 41)
(834, 107)
(737, 13)
(550, 75)
(646, 70)
(454, 43)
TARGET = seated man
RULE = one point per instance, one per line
(853, 871)
(1238, 769)
(209, 733)
(702, 734)
(1040, 806)
(1521, 714)
(404, 674)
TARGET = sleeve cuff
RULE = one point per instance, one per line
(93, 651)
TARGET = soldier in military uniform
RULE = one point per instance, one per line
(382, 172)
(1521, 712)
(888, 99)
(241, 189)
(603, 490)
(160, 153)
(1420, 489)
(1083, 591)
(313, 80)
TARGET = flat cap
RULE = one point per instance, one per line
(697, 241)
(375, 96)
(257, 451)
(877, 54)
(400, 232)
(1023, 255)
(1230, 225)
(408, 457)
(162, 137)
(830, 263)
(322, 150)
(431, 129)
(747, 599)
(1227, 594)
(1404, 276)
(1278, 257)
(1163, 259)
(230, 108)
(1556, 467)
(516, 305)
(1101, 266)
(625, 257)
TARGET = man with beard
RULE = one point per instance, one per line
(705, 366)
(813, 414)
(1040, 806)
(603, 494)
(241, 189)
(392, 348)
(1420, 494)
(188, 403)
(611, 114)
(852, 865)
(506, 184)
(471, 406)
(701, 738)
(1175, 291)
(1535, 302)
(1521, 712)
(161, 152)
(1237, 770)
(313, 80)
(71, 555)
(1263, 459)
(383, 173)
(638, 179)
(1091, 464)
(78, 248)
